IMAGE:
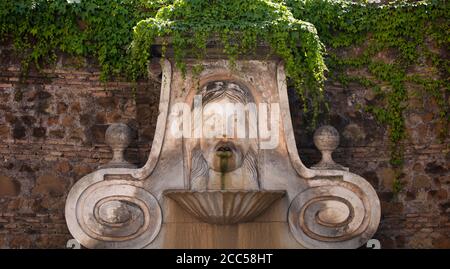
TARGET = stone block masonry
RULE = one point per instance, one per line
(52, 126)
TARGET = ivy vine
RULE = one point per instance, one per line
(97, 29)
(239, 25)
(412, 33)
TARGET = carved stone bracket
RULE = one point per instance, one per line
(112, 213)
(111, 208)
(338, 209)
(335, 213)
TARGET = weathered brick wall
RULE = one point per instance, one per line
(52, 128)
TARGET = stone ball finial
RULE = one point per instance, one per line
(326, 139)
(118, 136)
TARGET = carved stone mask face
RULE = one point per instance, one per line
(223, 149)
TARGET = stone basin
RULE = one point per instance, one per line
(225, 206)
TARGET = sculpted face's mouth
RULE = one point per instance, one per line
(225, 150)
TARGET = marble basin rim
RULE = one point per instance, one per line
(225, 206)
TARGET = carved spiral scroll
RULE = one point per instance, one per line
(335, 213)
(112, 214)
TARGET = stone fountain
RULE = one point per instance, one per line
(242, 187)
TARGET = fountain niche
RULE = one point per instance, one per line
(223, 171)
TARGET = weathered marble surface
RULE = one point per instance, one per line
(127, 208)
(225, 207)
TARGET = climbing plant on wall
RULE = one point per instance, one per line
(119, 33)
(413, 34)
(239, 25)
(98, 29)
